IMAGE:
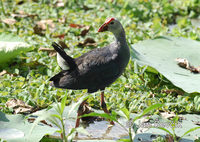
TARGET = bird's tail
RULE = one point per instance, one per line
(69, 60)
(57, 47)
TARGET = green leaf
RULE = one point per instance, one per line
(55, 122)
(164, 129)
(124, 113)
(123, 140)
(71, 132)
(11, 46)
(189, 131)
(16, 128)
(147, 110)
(42, 115)
(57, 116)
(63, 102)
(160, 53)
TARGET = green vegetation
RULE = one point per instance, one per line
(27, 76)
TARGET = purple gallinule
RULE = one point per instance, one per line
(95, 69)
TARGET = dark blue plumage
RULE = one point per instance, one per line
(95, 69)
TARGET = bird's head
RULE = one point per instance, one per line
(112, 25)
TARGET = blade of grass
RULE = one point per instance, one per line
(161, 128)
(63, 102)
(125, 113)
(2, 7)
(191, 130)
(147, 110)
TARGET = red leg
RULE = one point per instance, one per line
(77, 121)
(80, 112)
(103, 105)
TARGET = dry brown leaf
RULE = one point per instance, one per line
(3, 72)
(19, 106)
(41, 26)
(170, 91)
(46, 49)
(184, 63)
(60, 3)
(31, 120)
(18, 15)
(62, 43)
(6, 72)
(44, 122)
(22, 14)
(87, 42)
(62, 20)
(86, 110)
(85, 31)
(86, 8)
(194, 70)
(51, 54)
(72, 25)
(9, 21)
(38, 31)
(61, 36)
(50, 51)
(168, 115)
(23, 110)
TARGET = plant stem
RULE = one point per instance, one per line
(2, 7)
(130, 134)
(63, 130)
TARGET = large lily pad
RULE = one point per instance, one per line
(11, 46)
(160, 53)
(17, 129)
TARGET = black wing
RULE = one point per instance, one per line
(98, 68)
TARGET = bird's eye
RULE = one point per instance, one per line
(112, 23)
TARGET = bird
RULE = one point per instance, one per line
(96, 69)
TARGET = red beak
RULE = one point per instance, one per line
(103, 28)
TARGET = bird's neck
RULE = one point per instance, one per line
(120, 37)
